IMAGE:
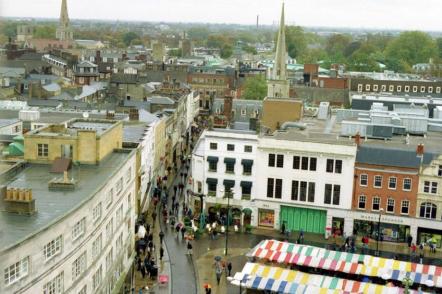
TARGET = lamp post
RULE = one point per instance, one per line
(379, 231)
(228, 193)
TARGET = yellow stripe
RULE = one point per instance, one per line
(304, 279)
(323, 291)
(291, 276)
(255, 269)
(266, 271)
(396, 264)
(366, 288)
(382, 262)
(374, 271)
(408, 267)
(379, 289)
(278, 273)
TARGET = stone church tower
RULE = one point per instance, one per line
(64, 31)
(277, 84)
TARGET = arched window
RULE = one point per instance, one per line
(428, 210)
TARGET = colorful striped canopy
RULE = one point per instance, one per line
(276, 279)
(304, 255)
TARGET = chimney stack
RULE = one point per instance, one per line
(358, 139)
(420, 150)
(228, 101)
(18, 200)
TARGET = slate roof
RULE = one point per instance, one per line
(122, 78)
(383, 155)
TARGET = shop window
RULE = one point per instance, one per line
(406, 185)
(363, 180)
(390, 205)
(280, 160)
(378, 181)
(362, 201)
(272, 160)
(376, 205)
(213, 146)
(230, 147)
(296, 162)
(405, 205)
(266, 218)
(428, 210)
(313, 161)
(392, 182)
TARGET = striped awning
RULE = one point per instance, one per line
(304, 255)
(263, 277)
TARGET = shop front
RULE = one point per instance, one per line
(306, 219)
(337, 226)
(389, 232)
(266, 218)
(426, 235)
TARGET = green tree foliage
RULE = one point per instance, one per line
(250, 49)
(364, 59)
(128, 37)
(410, 48)
(439, 46)
(255, 88)
(296, 42)
(45, 31)
(226, 51)
(198, 33)
(176, 52)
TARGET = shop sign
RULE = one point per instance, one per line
(384, 218)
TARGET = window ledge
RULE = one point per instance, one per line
(230, 172)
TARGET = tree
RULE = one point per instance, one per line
(129, 37)
(363, 59)
(296, 41)
(226, 51)
(250, 49)
(176, 52)
(439, 46)
(336, 44)
(410, 48)
(45, 32)
(255, 88)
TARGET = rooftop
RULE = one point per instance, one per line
(52, 206)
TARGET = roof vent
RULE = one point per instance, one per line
(19, 201)
(62, 183)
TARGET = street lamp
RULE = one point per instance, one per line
(379, 231)
(227, 194)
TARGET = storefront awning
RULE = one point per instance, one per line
(248, 162)
(246, 184)
(229, 183)
(229, 160)
(358, 264)
(247, 211)
(212, 181)
(277, 279)
(212, 159)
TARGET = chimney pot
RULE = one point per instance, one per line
(420, 150)
(358, 139)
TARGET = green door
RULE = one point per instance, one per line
(309, 220)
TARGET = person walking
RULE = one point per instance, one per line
(183, 231)
(218, 271)
(189, 249)
(143, 271)
(154, 217)
(161, 253)
(229, 268)
(161, 235)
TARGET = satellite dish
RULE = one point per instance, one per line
(85, 115)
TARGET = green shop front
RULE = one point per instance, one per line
(307, 219)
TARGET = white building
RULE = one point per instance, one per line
(11, 127)
(224, 159)
(303, 180)
(77, 240)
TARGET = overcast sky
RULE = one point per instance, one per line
(390, 14)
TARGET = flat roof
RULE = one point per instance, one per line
(53, 206)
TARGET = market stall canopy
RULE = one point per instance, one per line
(263, 277)
(358, 264)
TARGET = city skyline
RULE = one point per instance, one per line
(378, 14)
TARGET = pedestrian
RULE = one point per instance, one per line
(154, 217)
(413, 249)
(208, 289)
(283, 228)
(177, 206)
(161, 252)
(218, 271)
(229, 268)
(409, 240)
(421, 257)
(161, 234)
(143, 271)
(178, 228)
(175, 188)
(173, 200)
(189, 249)
(183, 231)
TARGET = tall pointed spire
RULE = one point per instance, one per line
(279, 69)
(64, 30)
(277, 85)
(64, 17)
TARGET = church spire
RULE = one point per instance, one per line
(64, 17)
(64, 31)
(279, 68)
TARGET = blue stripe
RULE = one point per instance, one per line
(395, 275)
(269, 284)
(282, 286)
(293, 288)
(417, 278)
(256, 282)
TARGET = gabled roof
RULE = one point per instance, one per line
(382, 155)
(86, 63)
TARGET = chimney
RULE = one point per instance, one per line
(228, 108)
(133, 114)
(420, 150)
(358, 139)
(18, 200)
(97, 56)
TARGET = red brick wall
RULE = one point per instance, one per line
(334, 83)
(384, 193)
